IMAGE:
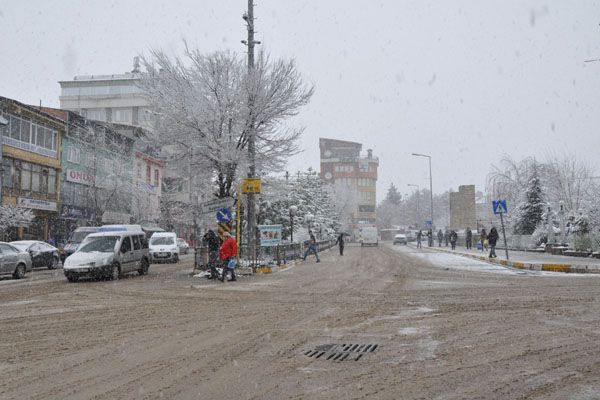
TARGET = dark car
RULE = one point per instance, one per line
(42, 254)
(75, 240)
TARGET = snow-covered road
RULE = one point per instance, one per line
(435, 326)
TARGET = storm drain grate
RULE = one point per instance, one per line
(341, 352)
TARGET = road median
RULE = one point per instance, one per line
(527, 265)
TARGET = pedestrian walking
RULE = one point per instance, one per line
(440, 236)
(429, 238)
(341, 242)
(493, 239)
(228, 254)
(469, 238)
(453, 238)
(484, 239)
(419, 237)
(312, 247)
(213, 243)
(446, 237)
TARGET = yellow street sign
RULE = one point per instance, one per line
(251, 185)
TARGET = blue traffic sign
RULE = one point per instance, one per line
(499, 207)
(428, 222)
(224, 215)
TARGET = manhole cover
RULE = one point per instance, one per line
(341, 352)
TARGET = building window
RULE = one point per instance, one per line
(8, 172)
(98, 114)
(148, 174)
(28, 177)
(122, 115)
(73, 155)
(156, 177)
(31, 136)
(139, 170)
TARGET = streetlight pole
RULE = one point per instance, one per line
(430, 184)
(250, 43)
(418, 197)
(293, 210)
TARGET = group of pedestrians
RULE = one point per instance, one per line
(487, 240)
(223, 254)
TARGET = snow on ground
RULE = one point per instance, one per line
(460, 263)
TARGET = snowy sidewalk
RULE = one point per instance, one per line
(530, 260)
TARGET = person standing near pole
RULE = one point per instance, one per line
(228, 254)
(483, 237)
(469, 238)
(213, 243)
(340, 242)
(419, 237)
(446, 237)
(312, 247)
(493, 239)
(430, 238)
(453, 238)
(440, 236)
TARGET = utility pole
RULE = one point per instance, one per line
(250, 43)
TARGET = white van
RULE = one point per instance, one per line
(109, 254)
(163, 247)
(368, 236)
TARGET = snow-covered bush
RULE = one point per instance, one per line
(14, 216)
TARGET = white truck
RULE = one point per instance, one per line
(368, 236)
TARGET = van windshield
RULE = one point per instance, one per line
(102, 244)
(162, 240)
(77, 237)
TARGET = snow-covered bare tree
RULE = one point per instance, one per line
(13, 217)
(204, 107)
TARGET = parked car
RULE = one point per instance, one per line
(42, 254)
(109, 254)
(75, 240)
(163, 247)
(14, 261)
(184, 247)
(400, 239)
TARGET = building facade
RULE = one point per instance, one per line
(31, 165)
(354, 174)
(463, 213)
(148, 169)
(119, 99)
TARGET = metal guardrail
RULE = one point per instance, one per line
(266, 254)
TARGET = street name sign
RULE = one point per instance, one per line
(212, 206)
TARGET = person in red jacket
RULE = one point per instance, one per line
(228, 252)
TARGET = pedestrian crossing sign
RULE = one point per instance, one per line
(499, 207)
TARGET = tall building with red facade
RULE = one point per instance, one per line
(343, 165)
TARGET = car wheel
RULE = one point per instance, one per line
(54, 263)
(144, 265)
(176, 259)
(19, 272)
(72, 278)
(115, 272)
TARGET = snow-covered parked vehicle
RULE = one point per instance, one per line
(163, 247)
(42, 254)
(109, 255)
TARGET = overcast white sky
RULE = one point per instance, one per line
(464, 81)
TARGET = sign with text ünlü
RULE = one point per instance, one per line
(251, 185)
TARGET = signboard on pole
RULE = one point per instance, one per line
(224, 215)
(499, 207)
(251, 185)
(270, 235)
(212, 206)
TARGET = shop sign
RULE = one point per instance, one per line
(80, 177)
(36, 204)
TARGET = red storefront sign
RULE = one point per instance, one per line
(80, 177)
